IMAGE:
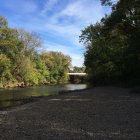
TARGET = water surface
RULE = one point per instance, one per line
(15, 96)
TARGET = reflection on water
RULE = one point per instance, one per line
(12, 97)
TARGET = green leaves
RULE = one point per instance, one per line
(112, 46)
(5, 65)
(20, 62)
(58, 66)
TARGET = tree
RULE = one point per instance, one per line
(42, 69)
(125, 18)
(112, 46)
(25, 66)
(58, 66)
(21, 63)
(30, 40)
(10, 48)
(5, 65)
(9, 43)
(3, 22)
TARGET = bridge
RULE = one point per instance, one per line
(77, 77)
(80, 74)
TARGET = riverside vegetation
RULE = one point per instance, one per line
(113, 45)
(22, 65)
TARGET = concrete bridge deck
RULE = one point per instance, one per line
(77, 73)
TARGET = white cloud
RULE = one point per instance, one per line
(82, 11)
(77, 58)
(48, 6)
(77, 15)
(68, 23)
(65, 23)
(73, 9)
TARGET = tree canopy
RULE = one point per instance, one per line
(21, 64)
(112, 45)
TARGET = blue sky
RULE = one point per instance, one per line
(58, 22)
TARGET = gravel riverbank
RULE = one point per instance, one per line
(101, 113)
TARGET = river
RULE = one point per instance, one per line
(15, 96)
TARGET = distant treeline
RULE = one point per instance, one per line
(22, 65)
(113, 44)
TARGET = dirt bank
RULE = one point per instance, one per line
(101, 113)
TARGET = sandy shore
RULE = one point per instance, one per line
(101, 113)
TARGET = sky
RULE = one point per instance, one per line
(58, 22)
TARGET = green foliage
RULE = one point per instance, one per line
(58, 65)
(20, 62)
(43, 72)
(5, 66)
(9, 43)
(112, 46)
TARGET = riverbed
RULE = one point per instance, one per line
(16, 96)
(99, 113)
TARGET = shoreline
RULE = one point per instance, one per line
(31, 99)
(41, 84)
(95, 113)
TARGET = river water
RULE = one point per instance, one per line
(15, 96)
